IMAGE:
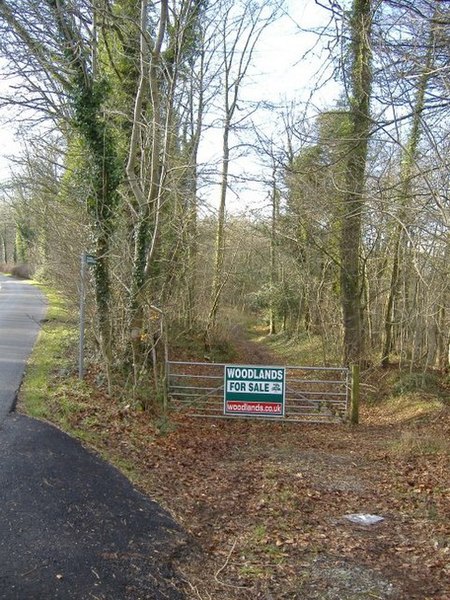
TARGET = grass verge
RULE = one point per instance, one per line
(50, 366)
(52, 391)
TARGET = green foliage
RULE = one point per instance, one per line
(92, 125)
(119, 56)
(312, 221)
(25, 232)
(164, 425)
(23, 238)
(415, 382)
(284, 298)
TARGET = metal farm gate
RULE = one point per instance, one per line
(312, 394)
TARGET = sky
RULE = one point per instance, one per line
(8, 145)
(285, 70)
(280, 73)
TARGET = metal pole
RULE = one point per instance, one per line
(82, 318)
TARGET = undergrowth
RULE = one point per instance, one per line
(418, 443)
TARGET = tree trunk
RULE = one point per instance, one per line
(273, 255)
(220, 231)
(361, 83)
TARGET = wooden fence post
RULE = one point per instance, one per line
(354, 396)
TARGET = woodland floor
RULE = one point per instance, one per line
(266, 501)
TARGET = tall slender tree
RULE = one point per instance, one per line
(360, 89)
(242, 26)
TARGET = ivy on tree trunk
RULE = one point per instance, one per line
(353, 201)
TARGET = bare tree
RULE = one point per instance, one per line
(241, 27)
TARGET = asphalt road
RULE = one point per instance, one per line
(71, 526)
(22, 307)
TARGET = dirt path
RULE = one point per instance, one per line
(249, 351)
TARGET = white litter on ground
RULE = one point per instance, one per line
(364, 519)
